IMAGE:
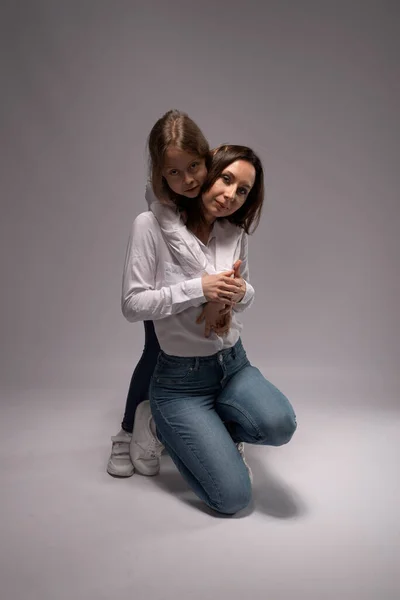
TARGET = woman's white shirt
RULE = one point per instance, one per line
(156, 285)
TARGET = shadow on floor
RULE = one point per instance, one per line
(270, 496)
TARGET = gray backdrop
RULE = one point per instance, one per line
(313, 87)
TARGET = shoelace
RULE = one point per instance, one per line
(155, 449)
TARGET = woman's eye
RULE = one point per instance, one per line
(226, 178)
(243, 191)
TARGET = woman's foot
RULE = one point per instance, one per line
(145, 447)
(120, 463)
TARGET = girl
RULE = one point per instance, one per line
(206, 399)
(179, 155)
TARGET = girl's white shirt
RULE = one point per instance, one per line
(164, 264)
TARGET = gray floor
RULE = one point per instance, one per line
(324, 522)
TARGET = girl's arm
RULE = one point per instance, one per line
(186, 249)
(140, 300)
(248, 298)
(178, 238)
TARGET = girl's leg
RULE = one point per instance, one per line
(182, 397)
(120, 463)
(140, 382)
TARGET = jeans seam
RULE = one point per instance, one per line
(192, 453)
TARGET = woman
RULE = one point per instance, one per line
(206, 399)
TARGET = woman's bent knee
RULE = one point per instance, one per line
(233, 500)
(282, 431)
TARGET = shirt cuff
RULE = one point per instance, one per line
(194, 290)
(248, 294)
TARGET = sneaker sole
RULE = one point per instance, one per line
(139, 469)
(113, 473)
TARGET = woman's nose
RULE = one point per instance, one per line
(230, 192)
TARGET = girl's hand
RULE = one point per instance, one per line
(225, 323)
(222, 287)
(239, 295)
(217, 317)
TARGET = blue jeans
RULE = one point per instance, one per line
(140, 381)
(203, 406)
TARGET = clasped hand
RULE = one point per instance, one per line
(222, 292)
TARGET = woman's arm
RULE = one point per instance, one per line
(140, 300)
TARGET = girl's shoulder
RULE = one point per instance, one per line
(168, 217)
(145, 218)
(145, 234)
(145, 225)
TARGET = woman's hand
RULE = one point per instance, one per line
(242, 289)
(217, 317)
(223, 288)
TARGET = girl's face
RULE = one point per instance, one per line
(230, 190)
(185, 172)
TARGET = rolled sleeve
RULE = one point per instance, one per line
(248, 297)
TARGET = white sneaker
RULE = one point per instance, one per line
(119, 463)
(145, 447)
(240, 447)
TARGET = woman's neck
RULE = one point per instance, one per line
(202, 231)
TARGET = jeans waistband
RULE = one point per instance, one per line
(201, 360)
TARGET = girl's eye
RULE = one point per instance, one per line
(173, 172)
(194, 165)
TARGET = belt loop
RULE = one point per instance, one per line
(196, 363)
(234, 352)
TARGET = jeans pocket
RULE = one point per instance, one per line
(171, 374)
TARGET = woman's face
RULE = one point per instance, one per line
(230, 190)
(184, 172)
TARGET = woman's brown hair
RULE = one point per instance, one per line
(248, 215)
(177, 129)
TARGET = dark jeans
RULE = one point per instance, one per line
(140, 382)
